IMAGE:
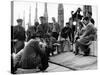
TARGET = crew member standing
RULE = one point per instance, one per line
(56, 29)
(72, 33)
(18, 36)
(42, 29)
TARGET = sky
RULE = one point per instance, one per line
(21, 9)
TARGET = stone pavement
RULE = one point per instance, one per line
(51, 68)
(78, 62)
(56, 68)
(66, 62)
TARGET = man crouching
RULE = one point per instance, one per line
(87, 36)
(31, 57)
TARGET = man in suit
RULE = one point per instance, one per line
(56, 29)
(42, 29)
(86, 38)
(18, 36)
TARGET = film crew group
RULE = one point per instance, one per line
(43, 41)
(84, 32)
(40, 44)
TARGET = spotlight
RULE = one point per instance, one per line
(74, 23)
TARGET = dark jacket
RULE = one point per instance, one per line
(19, 33)
(65, 32)
(42, 30)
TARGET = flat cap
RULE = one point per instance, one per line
(19, 20)
(42, 17)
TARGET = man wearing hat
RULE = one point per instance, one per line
(42, 29)
(18, 36)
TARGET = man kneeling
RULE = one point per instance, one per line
(31, 57)
(85, 39)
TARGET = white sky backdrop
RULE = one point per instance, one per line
(20, 7)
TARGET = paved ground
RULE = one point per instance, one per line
(79, 62)
(51, 68)
(67, 62)
(56, 68)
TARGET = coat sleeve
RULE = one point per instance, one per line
(88, 30)
(38, 31)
